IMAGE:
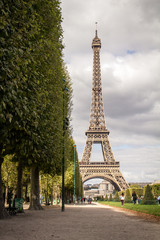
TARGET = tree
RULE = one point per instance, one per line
(106, 198)
(50, 187)
(50, 93)
(148, 197)
(110, 197)
(69, 171)
(31, 88)
(128, 196)
(26, 184)
(116, 198)
(18, 95)
(8, 175)
(156, 189)
(31, 92)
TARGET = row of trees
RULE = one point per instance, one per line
(50, 186)
(32, 92)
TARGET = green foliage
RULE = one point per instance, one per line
(114, 191)
(32, 92)
(69, 173)
(31, 86)
(106, 198)
(31, 82)
(134, 186)
(48, 186)
(51, 185)
(148, 197)
(127, 196)
(110, 197)
(116, 197)
(9, 177)
(139, 191)
(156, 189)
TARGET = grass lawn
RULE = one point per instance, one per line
(149, 209)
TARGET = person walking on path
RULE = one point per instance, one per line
(122, 199)
(134, 197)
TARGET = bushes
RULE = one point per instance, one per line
(147, 200)
(156, 189)
(110, 197)
(128, 196)
(106, 198)
(116, 198)
(139, 191)
(148, 197)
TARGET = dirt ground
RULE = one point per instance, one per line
(80, 222)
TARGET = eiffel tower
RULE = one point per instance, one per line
(109, 169)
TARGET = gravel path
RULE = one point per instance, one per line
(79, 222)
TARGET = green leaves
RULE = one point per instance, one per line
(31, 63)
(148, 197)
(127, 196)
(31, 87)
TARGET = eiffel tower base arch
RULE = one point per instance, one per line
(110, 173)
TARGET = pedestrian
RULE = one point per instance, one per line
(122, 199)
(158, 198)
(134, 196)
(41, 199)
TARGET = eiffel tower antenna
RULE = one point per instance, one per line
(96, 23)
(97, 132)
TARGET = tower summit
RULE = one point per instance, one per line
(97, 132)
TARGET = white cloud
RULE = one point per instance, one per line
(130, 57)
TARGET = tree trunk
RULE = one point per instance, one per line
(55, 195)
(19, 180)
(35, 199)
(25, 194)
(3, 211)
(46, 197)
(52, 195)
(6, 188)
(46, 194)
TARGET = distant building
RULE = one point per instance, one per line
(98, 189)
(105, 188)
(91, 193)
(95, 186)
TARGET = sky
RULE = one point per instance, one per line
(130, 71)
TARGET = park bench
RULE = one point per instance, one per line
(11, 208)
(15, 206)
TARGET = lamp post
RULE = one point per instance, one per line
(63, 153)
(74, 147)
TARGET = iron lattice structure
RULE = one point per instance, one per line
(98, 133)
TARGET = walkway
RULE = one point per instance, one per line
(80, 222)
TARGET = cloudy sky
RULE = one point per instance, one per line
(130, 69)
